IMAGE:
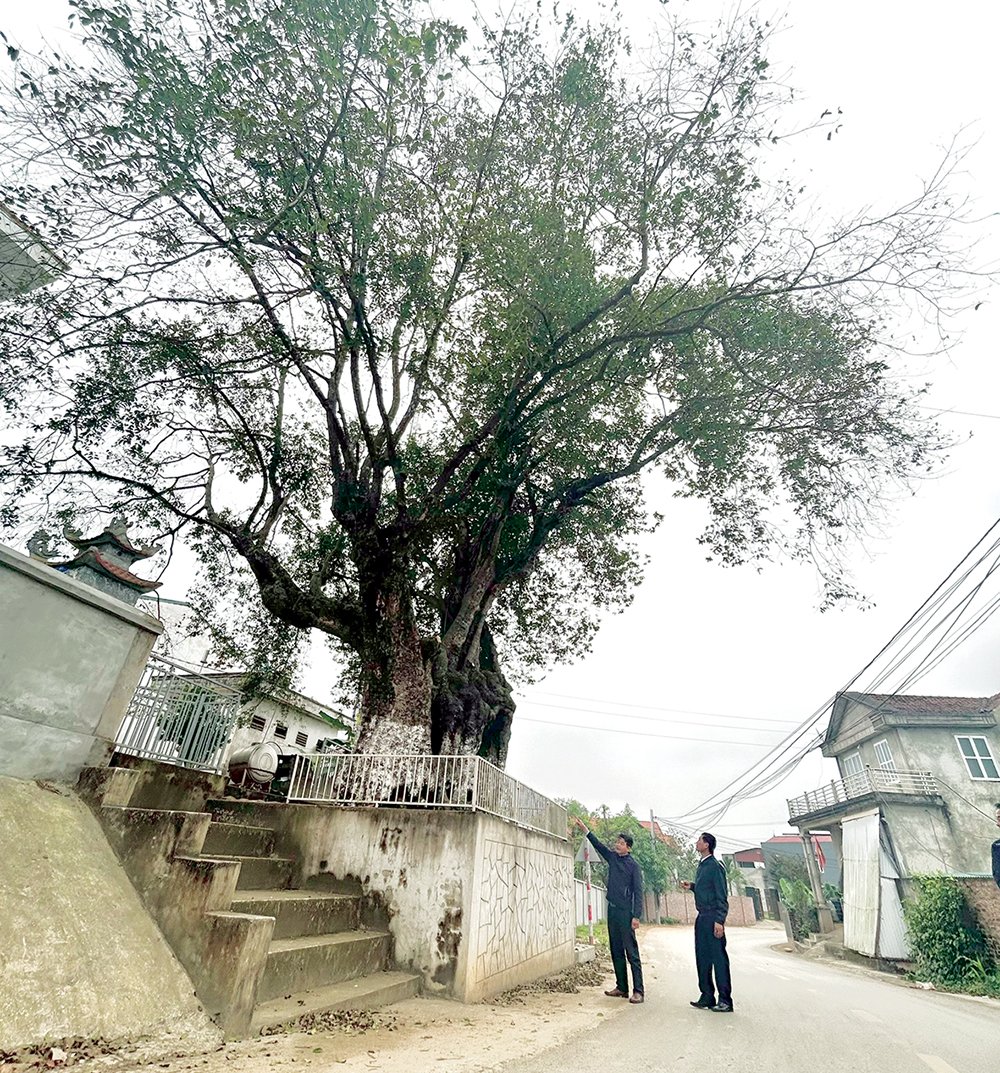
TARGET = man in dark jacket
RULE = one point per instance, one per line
(996, 850)
(624, 911)
(711, 899)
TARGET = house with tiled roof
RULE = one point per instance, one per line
(659, 834)
(919, 779)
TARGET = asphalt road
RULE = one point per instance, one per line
(792, 1015)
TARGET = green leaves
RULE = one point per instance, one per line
(352, 296)
(945, 938)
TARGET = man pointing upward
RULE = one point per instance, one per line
(624, 910)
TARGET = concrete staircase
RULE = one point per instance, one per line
(322, 954)
(258, 952)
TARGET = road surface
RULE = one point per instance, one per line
(792, 1014)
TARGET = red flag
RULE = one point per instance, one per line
(820, 856)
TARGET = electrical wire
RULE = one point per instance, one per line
(657, 708)
(756, 779)
(653, 718)
(640, 733)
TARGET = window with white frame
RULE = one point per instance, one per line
(851, 765)
(883, 756)
(978, 757)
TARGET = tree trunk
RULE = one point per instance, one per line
(395, 680)
(432, 695)
(471, 707)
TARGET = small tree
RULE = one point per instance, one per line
(388, 319)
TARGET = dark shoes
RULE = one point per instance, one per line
(637, 997)
(703, 1004)
(722, 1007)
(616, 993)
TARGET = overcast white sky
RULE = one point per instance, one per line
(748, 645)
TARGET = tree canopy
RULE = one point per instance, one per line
(387, 318)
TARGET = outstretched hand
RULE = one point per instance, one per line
(579, 823)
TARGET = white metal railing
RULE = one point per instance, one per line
(424, 781)
(179, 717)
(870, 781)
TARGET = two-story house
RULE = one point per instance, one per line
(919, 777)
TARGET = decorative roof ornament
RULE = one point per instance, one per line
(40, 546)
(104, 561)
(114, 536)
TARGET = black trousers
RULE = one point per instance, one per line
(624, 946)
(710, 956)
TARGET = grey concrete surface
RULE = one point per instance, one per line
(792, 1014)
(79, 955)
(70, 660)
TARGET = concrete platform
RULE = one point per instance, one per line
(369, 993)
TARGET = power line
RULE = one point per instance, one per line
(654, 719)
(964, 413)
(755, 779)
(640, 733)
(657, 708)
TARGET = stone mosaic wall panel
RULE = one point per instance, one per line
(526, 902)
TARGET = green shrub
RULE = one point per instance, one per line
(798, 900)
(947, 944)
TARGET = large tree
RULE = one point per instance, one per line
(391, 319)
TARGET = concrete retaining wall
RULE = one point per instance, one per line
(680, 906)
(70, 659)
(79, 955)
(475, 905)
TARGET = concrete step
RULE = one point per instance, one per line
(319, 960)
(238, 838)
(301, 912)
(365, 993)
(259, 873)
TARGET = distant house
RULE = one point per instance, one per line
(791, 845)
(659, 834)
(294, 722)
(25, 260)
(917, 775)
(750, 859)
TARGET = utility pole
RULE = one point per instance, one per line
(652, 840)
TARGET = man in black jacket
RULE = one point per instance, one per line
(624, 910)
(711, 899)
(996, 850)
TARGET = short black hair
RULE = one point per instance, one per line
(709, 840)
(626, 838)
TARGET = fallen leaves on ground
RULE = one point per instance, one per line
(56, 1054)
(568, 982)
(351, 1022)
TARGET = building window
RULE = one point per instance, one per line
(978, 758)
(257, 722)
(883, 755)
(852, 765)
(302, 739)
(280, 730)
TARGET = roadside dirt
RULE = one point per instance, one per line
(417, 1036)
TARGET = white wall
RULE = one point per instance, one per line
(476, 905)
(274, 712)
